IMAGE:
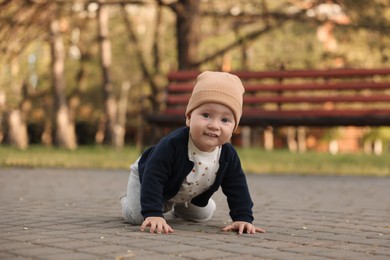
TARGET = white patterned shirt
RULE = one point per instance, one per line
(202, 176)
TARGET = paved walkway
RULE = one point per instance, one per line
(75, 214)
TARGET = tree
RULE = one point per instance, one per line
(16, 30)
(65, 134)
(114, 117)
(187, 14)
(110, 105)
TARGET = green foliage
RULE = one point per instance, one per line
(380, 133)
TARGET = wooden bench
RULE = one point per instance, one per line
(325, 98)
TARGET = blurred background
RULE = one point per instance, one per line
(83, 72)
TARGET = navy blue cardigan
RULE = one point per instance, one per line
(164, 167)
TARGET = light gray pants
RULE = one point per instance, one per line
(131, 203)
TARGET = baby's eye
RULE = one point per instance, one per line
(225, 120)
(206, 115)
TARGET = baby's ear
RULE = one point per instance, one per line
(188, 119)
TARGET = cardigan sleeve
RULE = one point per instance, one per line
(154, 175)
(235, 187)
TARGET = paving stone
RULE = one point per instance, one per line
(70, 256)
(7, 256)
(75, 214)
(38, 251)
(26, 237)
(12, 245)
(75, 244)
(142, 255)
(174, 249)
(346, 254)
(104, 249)
(208, 254)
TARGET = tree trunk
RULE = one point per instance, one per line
(291, 139)
(17, 129)
(2, 106)
(301, 139)
(137, 48)
(120, 126)
(268, 139)
(188, 33)
(110, 104)
(65, 135)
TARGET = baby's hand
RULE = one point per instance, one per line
(242, 226)
(157, 224)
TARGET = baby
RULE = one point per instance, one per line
(178, 176)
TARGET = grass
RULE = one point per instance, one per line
(314, 163)
(91, 157)
(253, 160)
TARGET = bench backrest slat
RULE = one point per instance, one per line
(187, 87)
(278, 74)
(250, 100)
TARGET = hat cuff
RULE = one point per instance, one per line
(215, 96)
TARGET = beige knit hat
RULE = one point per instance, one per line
(218, 87)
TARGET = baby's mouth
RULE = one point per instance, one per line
(211, 135)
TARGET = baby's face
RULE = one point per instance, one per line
(211, 125)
